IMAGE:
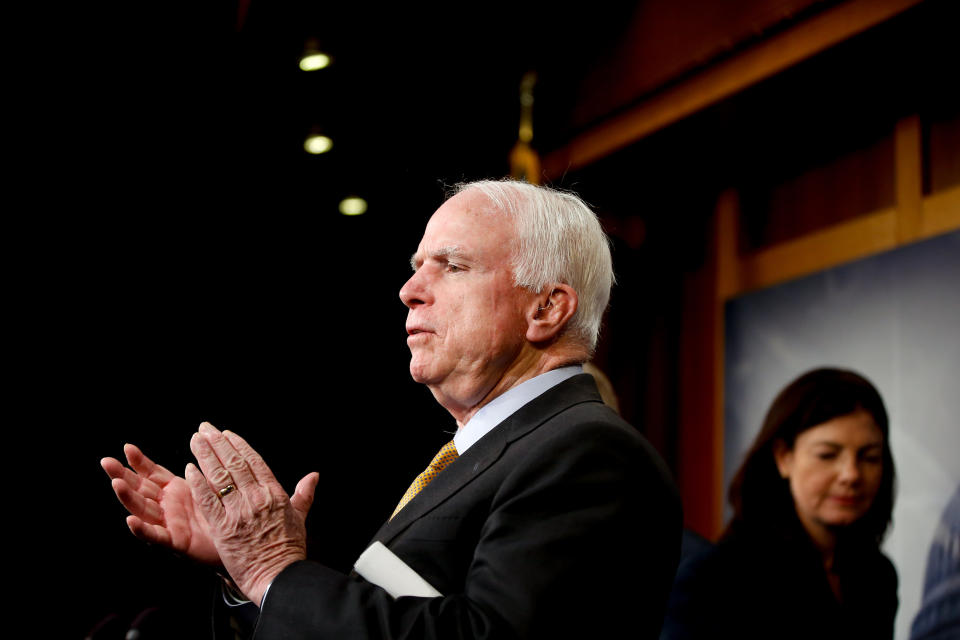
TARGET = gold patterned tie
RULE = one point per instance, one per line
(446, 455)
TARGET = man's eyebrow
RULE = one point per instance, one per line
(452, 251)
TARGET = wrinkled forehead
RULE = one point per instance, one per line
(473, 204)
(469, 223)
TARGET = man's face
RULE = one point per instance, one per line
(465, 323)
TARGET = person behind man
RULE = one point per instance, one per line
(547, 516)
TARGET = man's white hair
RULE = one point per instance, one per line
(558, 240)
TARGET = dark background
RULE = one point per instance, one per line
(176, 256)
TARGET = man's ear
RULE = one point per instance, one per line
(550, 312)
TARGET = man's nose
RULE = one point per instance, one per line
(414, 290)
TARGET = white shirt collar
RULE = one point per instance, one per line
(507, 403)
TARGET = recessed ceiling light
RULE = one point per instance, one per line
(318, 144)
(314, 60)
(353, 206)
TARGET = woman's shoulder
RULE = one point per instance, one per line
(739, 587)
(886, 568)
(739, 569)
(872, 569)
(870, 587)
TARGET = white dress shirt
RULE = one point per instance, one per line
(507, 403)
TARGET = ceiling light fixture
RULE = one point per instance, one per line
(313, 57)
(312, 61)
(353, 206)
(317, 144)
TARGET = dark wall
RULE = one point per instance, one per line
(179, 260)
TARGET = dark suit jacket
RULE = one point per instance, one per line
(561, 522)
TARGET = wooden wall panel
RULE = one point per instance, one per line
(722, 80)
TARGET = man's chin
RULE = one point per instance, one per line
(419, 373)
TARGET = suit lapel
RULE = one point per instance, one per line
(451, 480)
(489, 448)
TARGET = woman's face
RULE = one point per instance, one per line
(834, 470)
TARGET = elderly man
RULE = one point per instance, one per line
(547, 516)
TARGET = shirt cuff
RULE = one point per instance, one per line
(232, 596)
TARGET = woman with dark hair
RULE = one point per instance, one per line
(811, 503)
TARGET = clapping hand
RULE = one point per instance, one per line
(162, 510)
(230, 512)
